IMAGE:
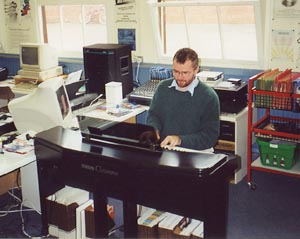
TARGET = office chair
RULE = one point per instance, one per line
(6, 94)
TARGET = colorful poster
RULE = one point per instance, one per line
(127, 36)
(18, 24)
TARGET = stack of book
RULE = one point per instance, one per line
(157, 224)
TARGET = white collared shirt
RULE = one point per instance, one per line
(190, 88)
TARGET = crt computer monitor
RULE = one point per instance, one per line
(43, 109)
(37, 56)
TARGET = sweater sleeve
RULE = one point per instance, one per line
(153, 112)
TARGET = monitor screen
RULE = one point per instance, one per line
(47, 107)
(37, 56)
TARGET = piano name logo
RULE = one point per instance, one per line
(99, 169)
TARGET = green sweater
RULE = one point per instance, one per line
(196, 119)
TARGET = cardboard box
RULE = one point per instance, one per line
(61, 208)
(9, 181)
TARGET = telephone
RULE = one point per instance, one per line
(3, 73)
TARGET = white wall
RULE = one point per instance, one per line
(145, 38)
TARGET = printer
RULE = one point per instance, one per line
(233, 96)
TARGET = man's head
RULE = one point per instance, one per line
(185, 66)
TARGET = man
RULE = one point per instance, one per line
(184, 111)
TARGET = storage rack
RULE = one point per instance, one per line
(254, 130)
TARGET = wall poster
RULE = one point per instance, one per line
(125, 11)
(285, 48)
(286, 9)
(127, 36)
(18, 20)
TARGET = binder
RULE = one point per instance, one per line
(265, 83)
(283, 83)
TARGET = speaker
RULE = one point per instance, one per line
(104, 63)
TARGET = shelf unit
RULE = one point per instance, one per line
(233, 139)
(255, 128)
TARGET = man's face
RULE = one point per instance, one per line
(184, 74)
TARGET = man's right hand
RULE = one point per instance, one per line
(150, 137)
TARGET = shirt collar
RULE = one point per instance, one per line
(190, 88)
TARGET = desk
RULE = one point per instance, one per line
(27, 164)
(17, 92)
(102, 114)
(167, 180)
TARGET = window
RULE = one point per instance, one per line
(70, 27)
(222, 32)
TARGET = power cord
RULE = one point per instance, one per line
(94, 100)
(20, 203)
(137, 81)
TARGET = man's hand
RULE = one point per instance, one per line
(150, 137)
(171, 141)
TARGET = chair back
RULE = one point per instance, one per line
(6, 94)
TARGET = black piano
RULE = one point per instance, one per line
(189, 184)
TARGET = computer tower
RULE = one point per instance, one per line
(104, 63)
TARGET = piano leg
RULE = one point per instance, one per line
(130, 219)
(216, 197)
(44, 217)
(101, 215)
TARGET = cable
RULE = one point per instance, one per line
(13, 211)
(137, 81)
(114, 229)
(14, 196)
(21, 210)
(5, 213)
(22, 218)
(92, 102)
(23, 222)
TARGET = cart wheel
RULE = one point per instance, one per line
(252, 186)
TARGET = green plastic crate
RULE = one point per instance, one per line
(278, 153)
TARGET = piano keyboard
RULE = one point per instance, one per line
(181, 149)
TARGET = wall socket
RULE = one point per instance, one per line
(138, 59)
